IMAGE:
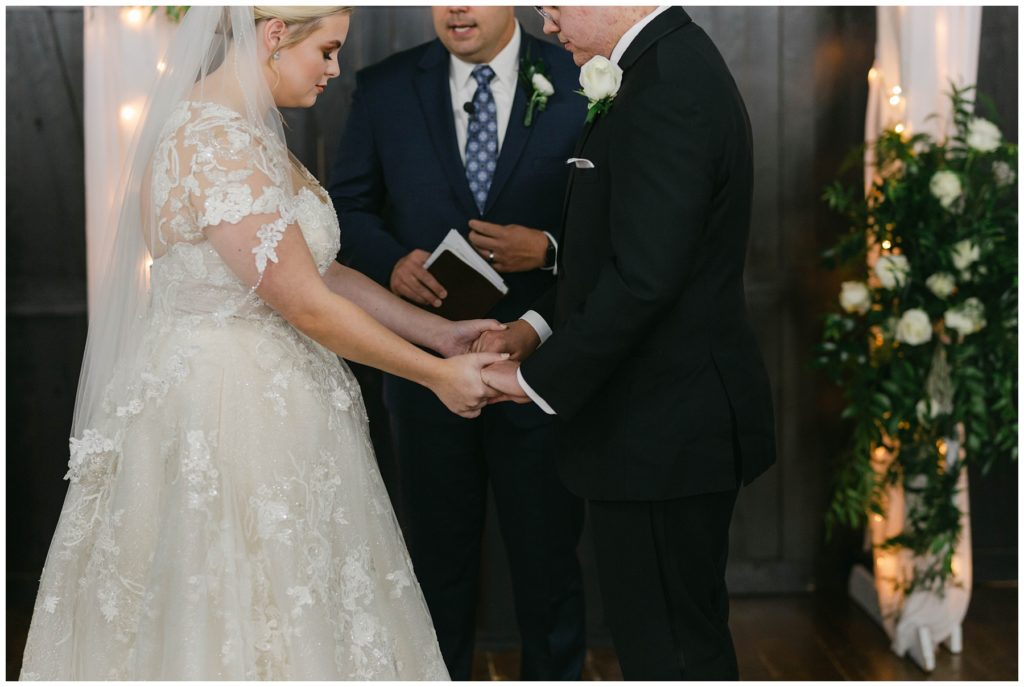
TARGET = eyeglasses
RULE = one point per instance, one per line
(545, 14)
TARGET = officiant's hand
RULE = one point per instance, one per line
(501, 376)
(411, 280)
(519, 338)
(509, 247)
(459, 337)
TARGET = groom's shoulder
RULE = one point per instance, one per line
(689, 58)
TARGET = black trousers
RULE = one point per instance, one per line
(661, 568)
(446, 464)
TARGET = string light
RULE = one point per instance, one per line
(899, 127)
(895, 100)
(886, 244)
(161, 66)
(896, 90)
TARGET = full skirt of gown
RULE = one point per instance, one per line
(226, 520)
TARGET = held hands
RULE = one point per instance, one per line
(518, 338)
(502, 378)
(508, 247)
(461, 337)
(460, 384)
(411, 280)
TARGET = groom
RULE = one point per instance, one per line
(653, 367)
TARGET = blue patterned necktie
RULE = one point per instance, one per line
(482, 137)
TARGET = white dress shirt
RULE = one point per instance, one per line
(503, 88)
(533, 317)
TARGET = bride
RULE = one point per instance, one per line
(225, 517)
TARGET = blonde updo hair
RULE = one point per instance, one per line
(301, 21)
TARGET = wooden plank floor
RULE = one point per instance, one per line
(814, 637)
(805, 637)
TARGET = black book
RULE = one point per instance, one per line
(473, 286)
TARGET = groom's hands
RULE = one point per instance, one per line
(503, 378)
(519, 339)
(514, 248)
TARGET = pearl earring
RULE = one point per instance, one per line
(277, 55)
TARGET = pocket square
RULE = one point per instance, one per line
(580, 163)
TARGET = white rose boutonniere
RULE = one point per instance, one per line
(533, 77)
(892, 270)
(914, 328)
(600, 79)
(983, 135)
(855, 297)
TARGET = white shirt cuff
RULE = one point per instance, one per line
(553, 268)
(534, 319)
(541, 403)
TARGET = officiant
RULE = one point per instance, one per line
(472, 132)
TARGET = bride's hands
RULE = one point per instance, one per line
(459, 383)
(456, 338)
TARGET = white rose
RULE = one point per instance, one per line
(983, 135)
(1003, 174)
(942, 284)
(892, 270)
(966, 318)
(927, 410)
(600, 78)
(914, 327)
(946, 187)
(855, 297)
(965, 254)
(542, 85)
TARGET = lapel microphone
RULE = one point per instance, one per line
(469, 108)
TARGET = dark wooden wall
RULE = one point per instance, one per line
(802, 71)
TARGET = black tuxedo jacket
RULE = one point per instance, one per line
(653, 365)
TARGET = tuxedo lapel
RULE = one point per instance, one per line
(665, 23)
(436, 101)
(668, 21)
(516, 134)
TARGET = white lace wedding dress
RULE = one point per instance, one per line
(226, 518)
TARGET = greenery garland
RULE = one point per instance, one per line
(924, 343)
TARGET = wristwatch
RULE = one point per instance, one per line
(551, 256)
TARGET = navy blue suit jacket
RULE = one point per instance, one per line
(398, 181)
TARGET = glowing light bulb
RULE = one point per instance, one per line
(128, 113)
(899, 128)
(896, 90)
(161, 66)
(895, 100)
(134, 16)
(886, 244)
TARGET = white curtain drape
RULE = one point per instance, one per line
(122, 50)
(919, 52)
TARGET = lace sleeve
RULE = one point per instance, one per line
(236, 184)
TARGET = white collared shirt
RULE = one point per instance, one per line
(503, 88)
(627, 38)
(533, 317)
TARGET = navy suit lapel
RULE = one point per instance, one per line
(436, 101)
(516, 134)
